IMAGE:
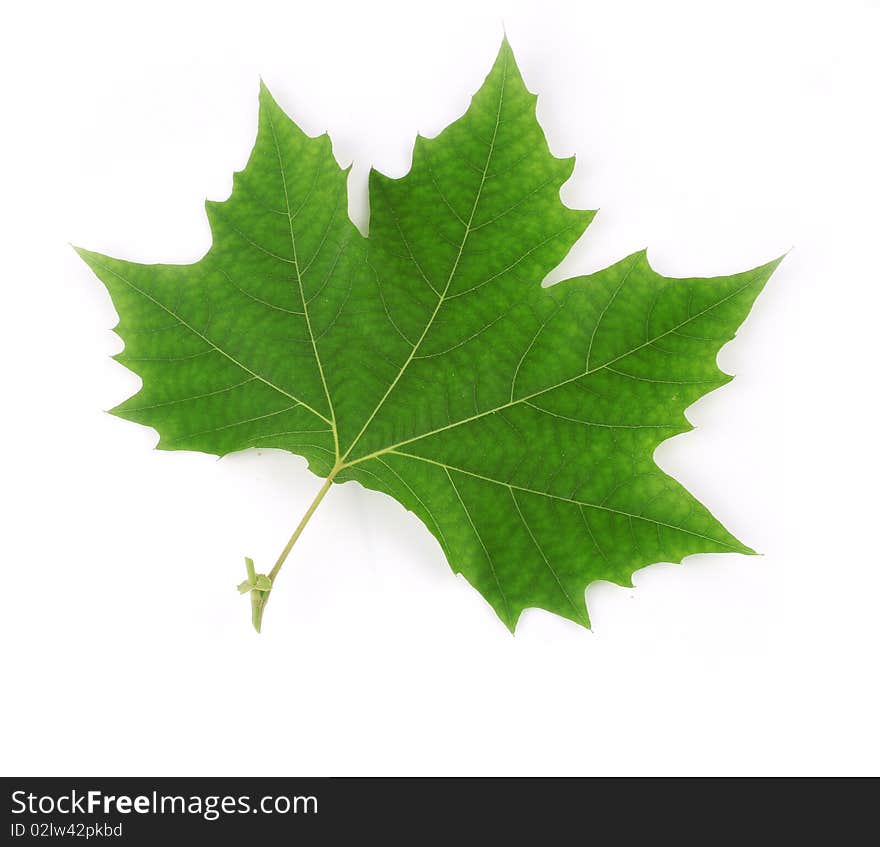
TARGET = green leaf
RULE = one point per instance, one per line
(518, 422)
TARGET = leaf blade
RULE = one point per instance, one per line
(426, 361)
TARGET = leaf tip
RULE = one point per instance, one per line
(86, 255)
(266, 97)
(640, 256)
(510, 623)
(773, 264)
(505, 51)
(762, 273)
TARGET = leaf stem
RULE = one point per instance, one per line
(293, 538)
(302, 524)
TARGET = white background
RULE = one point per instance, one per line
(717, 134)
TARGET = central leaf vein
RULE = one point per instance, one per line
(443, 294)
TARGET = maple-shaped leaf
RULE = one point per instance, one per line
(518, 422)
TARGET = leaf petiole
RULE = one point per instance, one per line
(259, 585)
